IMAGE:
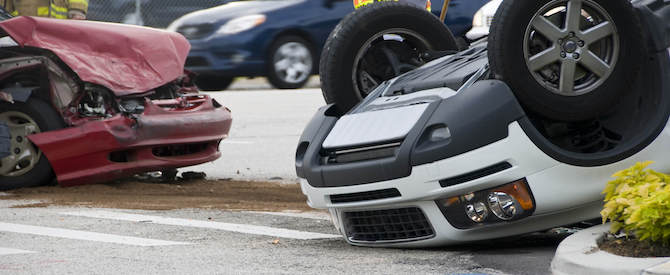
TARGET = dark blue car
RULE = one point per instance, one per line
(278, 39)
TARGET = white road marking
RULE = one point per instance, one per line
(239, 228)
(304, 215)
(11, 251)
(82, 235)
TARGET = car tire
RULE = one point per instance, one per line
(557, 71)
(213, 83)
(353, 39)
(38, 171)
(290, 62)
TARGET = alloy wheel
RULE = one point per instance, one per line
(293, 62)
(25, 155)
(571, 47)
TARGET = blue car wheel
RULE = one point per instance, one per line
(290, 63)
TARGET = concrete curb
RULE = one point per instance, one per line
(579, 254)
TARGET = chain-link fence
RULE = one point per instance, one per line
(153, 13)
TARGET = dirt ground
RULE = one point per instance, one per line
(633, 248)
(226, 195)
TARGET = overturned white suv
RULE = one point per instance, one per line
(498, 140)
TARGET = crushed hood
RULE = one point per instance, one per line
(126, 59)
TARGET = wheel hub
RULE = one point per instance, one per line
(581, 46)
(25, 154)
(293, 62)
(570, 46)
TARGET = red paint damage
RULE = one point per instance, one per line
(105, 142)
(99, 151)
(125, 59)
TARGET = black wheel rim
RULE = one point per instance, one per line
(385, 55)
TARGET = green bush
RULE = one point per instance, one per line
(638, 203)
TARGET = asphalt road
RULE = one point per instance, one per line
(266, 127)
(59, 240)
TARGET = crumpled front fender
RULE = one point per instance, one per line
(121, 146)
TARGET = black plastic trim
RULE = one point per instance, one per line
(365, 196)
(309, 146)
(493, 169)
(362, 155)
(475, 117)
(387, 226)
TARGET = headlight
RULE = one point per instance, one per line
(510, 202)
(241, 24)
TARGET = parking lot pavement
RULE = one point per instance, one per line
(261, 83)
(61, 240)
(266, 127)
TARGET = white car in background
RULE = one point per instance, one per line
(482, 20)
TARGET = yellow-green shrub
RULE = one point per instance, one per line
(638, 202)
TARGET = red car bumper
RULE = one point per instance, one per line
(159, 138)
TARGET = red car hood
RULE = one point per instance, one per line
(125, 59)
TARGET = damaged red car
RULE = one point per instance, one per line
(87, 102)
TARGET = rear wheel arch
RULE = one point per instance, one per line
(36, 76)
